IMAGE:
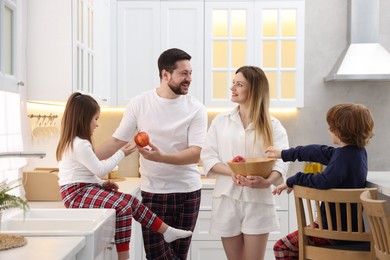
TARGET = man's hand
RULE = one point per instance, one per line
(152, 153)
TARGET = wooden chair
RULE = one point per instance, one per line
(344, 202)
(378, 215)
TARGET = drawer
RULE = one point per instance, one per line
(206, 199)
(201, 231)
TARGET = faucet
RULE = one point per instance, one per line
(22, 154)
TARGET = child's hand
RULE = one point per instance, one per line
(282, 187)
(273, 152)
(128, 148)
(109, 185)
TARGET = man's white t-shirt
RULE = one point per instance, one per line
(172, 125)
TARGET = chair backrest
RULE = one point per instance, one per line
(378, 215)
(343, 221)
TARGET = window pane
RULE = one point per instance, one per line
(220, 54)
(238, 53)
(90, 73)
(288, 54)
(79, 20)
(90, 28)
(289, 22)
(9, 39)
(270, 54)
(288, 85)
(220, 83)
(220, 23)
(270, 23)
(272, 81)
(238, 23)
(79, 70)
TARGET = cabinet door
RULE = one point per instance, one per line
(101, 73)
(147, 28)
(138, 25)
(268, 34)
(201, 250)
(49, 50)
(182, 27)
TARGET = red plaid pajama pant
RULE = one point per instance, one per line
(91, 195)
(288, 247)
(179, 210)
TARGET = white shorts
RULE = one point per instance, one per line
(232, 217)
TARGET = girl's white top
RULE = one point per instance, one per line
(81, 164)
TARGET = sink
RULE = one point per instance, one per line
(97, 225)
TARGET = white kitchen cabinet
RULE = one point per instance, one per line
(267, 34)
(49, 50)
(221, 36)
(206, 246)
(67, 49)
(145, 30)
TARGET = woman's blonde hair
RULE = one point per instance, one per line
(76, 121)
(352, 123)
(258, 98)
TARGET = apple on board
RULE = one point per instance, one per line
(238, 159)
(141, 139)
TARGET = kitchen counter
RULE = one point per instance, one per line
(129, 185)
(132, 184)
(64, 248)
(380, 180)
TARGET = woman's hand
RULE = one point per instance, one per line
(109, 185)
(255, 182)
(281, 188)
(273, 152)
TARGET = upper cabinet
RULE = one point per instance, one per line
(109, 48)
(221, 36)
(144, 30)
(67, 43)
(268, 34)
(49, 50)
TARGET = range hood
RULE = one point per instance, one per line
(364, 58)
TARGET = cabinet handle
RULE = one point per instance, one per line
(21, 83)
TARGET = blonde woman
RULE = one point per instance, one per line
(243, 211)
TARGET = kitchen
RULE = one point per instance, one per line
(325, 38)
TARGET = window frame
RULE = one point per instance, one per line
(9, 82)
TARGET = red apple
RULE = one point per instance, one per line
(238, 159)
(141, 139)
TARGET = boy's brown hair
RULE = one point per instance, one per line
(352, 123)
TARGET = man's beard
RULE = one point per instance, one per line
(177, 89)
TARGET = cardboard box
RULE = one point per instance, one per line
(42, 185)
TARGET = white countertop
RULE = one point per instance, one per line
(46, 248)
(132, 184)
(67, 247)
(380, 180)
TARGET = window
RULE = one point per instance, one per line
(10, 104)
(8, 38)
(268, 34)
